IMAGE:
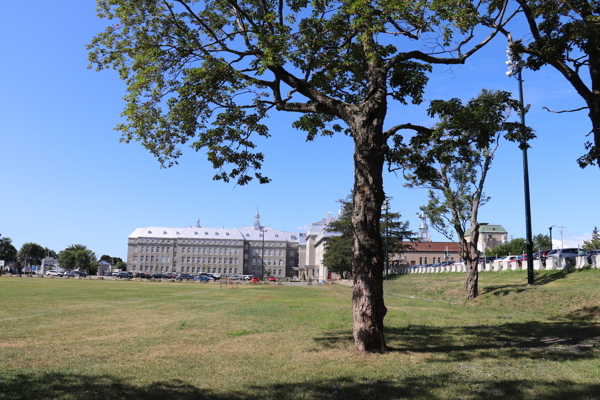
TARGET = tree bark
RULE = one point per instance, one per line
(367, 250)
(472, 272)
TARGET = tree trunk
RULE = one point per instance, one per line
(472, 262)
(367, 250)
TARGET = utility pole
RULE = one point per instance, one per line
(517, 67)
(562, 242)
(262, 256)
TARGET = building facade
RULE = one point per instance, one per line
(249, 250)
(490, 236)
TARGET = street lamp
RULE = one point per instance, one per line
(262, 256)
(516, 67)
(386, 204)
(551, 236)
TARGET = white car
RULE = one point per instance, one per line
(53, 272)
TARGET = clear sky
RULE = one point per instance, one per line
(67, 179)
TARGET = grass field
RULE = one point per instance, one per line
(82, 339)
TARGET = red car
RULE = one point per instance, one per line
(272, 279)
(255, 279)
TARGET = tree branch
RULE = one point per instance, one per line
(566, 111)
(418, 128)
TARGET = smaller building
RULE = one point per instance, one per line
(104, 267)
(419, 253)
(490, 236)
(48, 263)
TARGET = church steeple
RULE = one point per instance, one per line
(424, 229)
(257, 220)
(198, 223)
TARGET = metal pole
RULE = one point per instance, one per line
(551, 237)
(387, 234)
(262, 257)
(529, 241)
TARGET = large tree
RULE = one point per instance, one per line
(210, 72)
(8, 252)
(453, 161)
(566, 36)
(31, 254)
(77, 256)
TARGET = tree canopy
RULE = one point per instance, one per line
(566, 36)
(31, 254)
(77, 257)
(8, 252)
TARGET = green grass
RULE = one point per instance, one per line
(82, 339)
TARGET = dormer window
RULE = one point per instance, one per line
(206, 233)
(149, 232)
(217, 233)
(195, 233)
(164, 232)
(226, 233)
(294, 238)
(247, 235)
(177, 233)
(276, 235)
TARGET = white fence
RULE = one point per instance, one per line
(551, 264)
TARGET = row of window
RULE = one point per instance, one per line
(151, 258)
(209, 250)
(439, 259)
(152, 268)
(256, 261)
(194, 241)
(210, 260)
(268, 252)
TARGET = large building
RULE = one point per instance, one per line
(216, 250)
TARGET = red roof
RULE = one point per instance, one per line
(433, 246)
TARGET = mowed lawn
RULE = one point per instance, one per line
(87, 339)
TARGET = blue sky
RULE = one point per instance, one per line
(67, 179)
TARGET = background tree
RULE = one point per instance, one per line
(77, 257)
(513, 248)
(31, 254)
(566, 35)
(121, 265)
(8, 252)
(542, 242)
(210, 72)
(338, 254)
(593, 244)
(106, 258)
(50, 253)
(453, 161)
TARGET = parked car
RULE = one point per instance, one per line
(569, 255)
(204, 278)
(68, 274)
(272, 279)
(181, 277)
(255, 279)
(54, 272)
(247, 277)
(236, 277)
(160, 276)
(124, 275)
(82, 274)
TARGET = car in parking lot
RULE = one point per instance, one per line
(255, 279)
(82, 274)
(181, 277)
(124, 275)
(236, 278)
(204, 278)
(569, 255)
(68, 274)
(54, 272)
(272, 279)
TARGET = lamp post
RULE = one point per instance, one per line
(386, 204)
(262, 256)
(516, 67)
(551, 236)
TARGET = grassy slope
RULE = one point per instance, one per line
(81, 339)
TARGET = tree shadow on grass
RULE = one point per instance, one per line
(540, 279)
(574, 337)
(430, 387)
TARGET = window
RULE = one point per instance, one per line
(254, 261)
(245, 256)
(195, 233)
(425, 260)
(182, 259)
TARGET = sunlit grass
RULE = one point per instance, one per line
(82, 339)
